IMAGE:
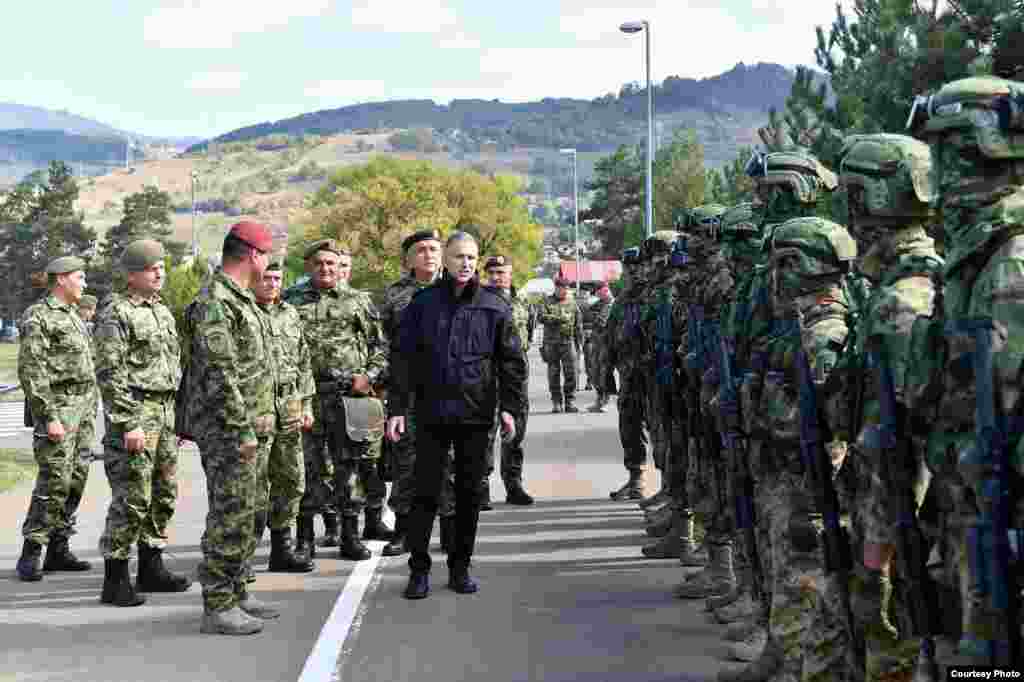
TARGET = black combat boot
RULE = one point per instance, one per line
(117, 585)
(59, 557)
(514, 494)
(419, 585)
(556, 403)
(153, 576)
(459, 578)
(259, 526)
(485, 497)
(282, 558)
(375, 528)
(330, 538)
(397, 545)
(350, 547)
(447, 524)
(304, 536)
(28, 563)
(632, 490)
(570, 404)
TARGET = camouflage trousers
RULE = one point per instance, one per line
(63, 472)
(87, 439)
(591, 361)
(403, 488)
(657, 423)
(562, 363)
(511, 453)
(632, 420)
(357, 484)
(280, 477)
(229, 541)
(143, 485)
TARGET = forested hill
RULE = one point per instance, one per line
(717, 107)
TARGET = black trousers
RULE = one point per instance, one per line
(433, 442)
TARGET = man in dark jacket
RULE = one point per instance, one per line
(459, 361)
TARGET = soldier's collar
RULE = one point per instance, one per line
(56, 303)
(232, 285)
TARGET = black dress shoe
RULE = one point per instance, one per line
(462, 583)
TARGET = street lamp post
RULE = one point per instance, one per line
(576, 219)
(195, 245)
(636, 27)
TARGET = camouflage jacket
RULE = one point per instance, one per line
(137, 352)
(520, 315)
(598, 314)
(229, 380)
(622, 343)
(293, 374)
(54, 352)
(393, 302)
(561, 320)
(343, 330)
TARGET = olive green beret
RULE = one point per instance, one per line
(497, 262)
(64, 265)
(141, 254)
(87, 301)
(326, 245)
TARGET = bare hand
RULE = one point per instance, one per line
(307, 422)
(360, 384)
(55, 431)
(135, 440)
(396, 427)
(508, 427)
(247, 450)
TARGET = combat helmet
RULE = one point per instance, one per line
(706, 220)
(742, 238)
(889, 175)
(657, 248)
(821, 247)
(796, 170)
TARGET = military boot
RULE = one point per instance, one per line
(719, 577)
(660, 523)
(690, 554)
(234, 621)
(669, 546)
(459, 579)
(283, 558)
(330, 538)
(59, 557)
(743, 608)
(570, 404)
(447, 524)
(485, 497)
(633, 488)
(767, 664)
(397, 545)
(419, 585)
(254, 607)
(599, 404)
(305, 534)
(750, 647)
(117, 585)
(925, 667)
(556, 403)
(28, 568)
(350, 547)
(740, 630)
(375, 528)
(514, 494)
(153, 576)
(657, 499)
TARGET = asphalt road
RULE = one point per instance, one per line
(565, 593)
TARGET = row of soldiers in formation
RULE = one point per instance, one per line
(284, 395)
(841, 406)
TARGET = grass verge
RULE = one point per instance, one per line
(16, 466)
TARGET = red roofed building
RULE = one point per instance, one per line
(591, 270)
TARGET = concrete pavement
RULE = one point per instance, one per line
(565, 593)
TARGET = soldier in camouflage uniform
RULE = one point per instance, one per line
(563, 338)
(138, 369)
(621, 346)
(598, 313)
(228, 396)
(87, 311)
(55, 368)
(499, 271)
(974, 127)
(421, 253)
(280, 468)
(350, 359)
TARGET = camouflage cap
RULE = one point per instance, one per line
(141, 254)
(64, 265)
(329, 245)
(87, 301)
(893, 172)
(497, 262)
(420, 236)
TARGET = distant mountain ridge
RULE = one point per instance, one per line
(721, 106)
(15, 116)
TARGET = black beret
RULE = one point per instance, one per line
(421, 236)
(497, 262)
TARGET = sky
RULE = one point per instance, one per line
(204, 67)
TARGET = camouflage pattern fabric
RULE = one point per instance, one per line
(230, 389)
(394, 301)
(55, 368)
(342, 329)
(657, 400)
(592, 351)
(621, 352)
(138, 369)
(511, 467)
(563, 334)
(281, 463)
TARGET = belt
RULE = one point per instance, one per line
(284, 390)
(73, 387)
(158, 396)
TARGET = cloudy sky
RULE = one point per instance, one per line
(203, 67)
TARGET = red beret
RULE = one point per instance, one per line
(256, 235)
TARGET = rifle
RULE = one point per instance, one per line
(988, 465)
(818, 463)
(911, 549)
(736, 447)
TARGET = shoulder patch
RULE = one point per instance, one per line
(213, 312)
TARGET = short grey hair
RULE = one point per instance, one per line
(460, 236)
